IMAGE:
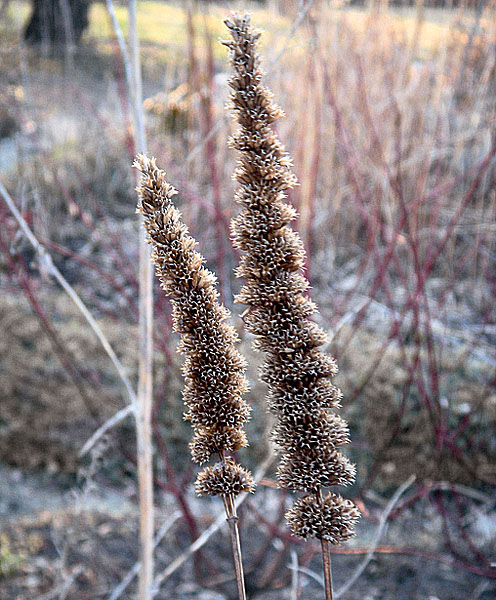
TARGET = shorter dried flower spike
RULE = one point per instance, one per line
(331, 518)
(224, 478)
(214, 370)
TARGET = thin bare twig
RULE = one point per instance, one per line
(102, 430)
(122, 46)
(294, 575)
(479, 590)
(46, 263)
(298, 21)
(132, 67)
(145, 381)
(464, 490)
(312, 574)
(61, 591)
(377, 537)
(131, 574)
(123, 413)
(232, 520)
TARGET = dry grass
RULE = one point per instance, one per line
(391, 125)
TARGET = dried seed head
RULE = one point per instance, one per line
(213, 368)
(303, 368)
(304, 473)
(209, 409)
(290, 397)
(224, 478)
(213, 440)
(296, 371)
(332, 518)
(310, 434)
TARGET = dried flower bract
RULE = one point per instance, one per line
(224, 478)
(331, 518)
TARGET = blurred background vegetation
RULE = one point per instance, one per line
(391, 124)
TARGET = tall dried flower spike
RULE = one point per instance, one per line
(297, 372)
(213, 368)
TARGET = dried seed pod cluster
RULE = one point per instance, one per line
(296, 371)
(213, 369)
(314, 516)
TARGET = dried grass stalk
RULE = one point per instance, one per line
(214, 370)
(301, 394)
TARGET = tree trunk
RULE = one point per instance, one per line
(57, 22)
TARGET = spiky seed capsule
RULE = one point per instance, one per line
(209, 441)
(300, 472)
(224, 478)
(310, 433)
(331, 517)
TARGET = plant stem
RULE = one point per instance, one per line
(145, 378)
(232, 520)
(326, 557)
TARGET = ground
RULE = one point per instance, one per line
(63, 537)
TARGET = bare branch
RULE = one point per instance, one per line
(114, 420)
(294, 575)
(145, 379)
(377, 537)
(298, 21)
(122, 46)
(46, 263)
(131, 574)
